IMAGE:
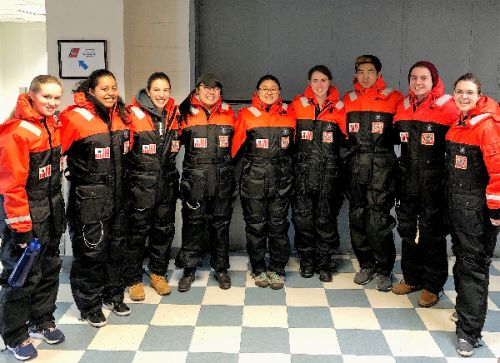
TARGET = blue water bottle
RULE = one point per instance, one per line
(23, 266)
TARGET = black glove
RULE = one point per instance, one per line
(21, 238)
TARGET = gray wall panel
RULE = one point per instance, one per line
(438, 33)
(243, 39)
(367, 27)
(485, 46)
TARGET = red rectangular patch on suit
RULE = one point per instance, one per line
(223, 140)
(377, 127)
(285, 142)
(175, 146)
(428, 138)
(328, 137)
(461, 162)
(262, 143)
(200, 142)
(44, 172)
(354, 127)
(306, 135)
(102, 153)
(149, 149)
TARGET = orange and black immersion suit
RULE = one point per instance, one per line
(95, 141)
(370, 173)
(320, 131)
(207, 183)
(154, 186)
(473, 159)
(31, 205)
(420, 128)
(264, 138)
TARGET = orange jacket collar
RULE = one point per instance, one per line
(332, 95)
(276, 107)
(25, 111)
(377, 87)
(436, 92)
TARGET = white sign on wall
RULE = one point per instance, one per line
(79, 58)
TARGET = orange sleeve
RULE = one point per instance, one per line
(240, 133)
(490, 146)
(15, 162)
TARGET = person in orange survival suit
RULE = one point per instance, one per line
(420, 125)
(320, 123)
(264, 139)
(95, 137)
(31, 205)
(207, 184)
(154, 185)
(473, 160)
(370, 167)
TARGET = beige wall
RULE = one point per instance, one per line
(23, 55)
(86, 20)
(156, 39)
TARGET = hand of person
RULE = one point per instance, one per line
(495, 222)
(23, 245)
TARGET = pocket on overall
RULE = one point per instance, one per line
(467, 214)
(253, 181)
(383, 173)
(193, 184)
(362, 168)
(330, 186)
(301, 179)
(93, 203)
(227, 184)
(285, 187)
(143, 190)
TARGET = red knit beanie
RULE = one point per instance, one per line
(431, 67)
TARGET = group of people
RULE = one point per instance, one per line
(121, 164)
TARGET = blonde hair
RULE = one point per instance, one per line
(37, 82)
(35, 86)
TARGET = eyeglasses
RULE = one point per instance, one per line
(210, 89)
(460, 92)
(269, 90)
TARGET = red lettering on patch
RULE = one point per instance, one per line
(461, 162)
(44, 172)
(404, 136)
(200, 142)
(223, 140)
(149, 149)
(354, 127)
(262, 143)
(377, 127)
(102, 153)
(428, 138)
(285, 142)
(328, 137)
(175, 146)
(306, 135)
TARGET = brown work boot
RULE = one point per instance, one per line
(403, 288)
(427, 299)
(159, 283)
(136, 292)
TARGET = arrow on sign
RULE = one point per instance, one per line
(83, 65)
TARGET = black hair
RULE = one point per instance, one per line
(91, 83)
(157, 75)
(267, 77)
(368, 59)
(321, 69)
(469, 77)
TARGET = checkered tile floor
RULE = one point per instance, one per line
(307, 321)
